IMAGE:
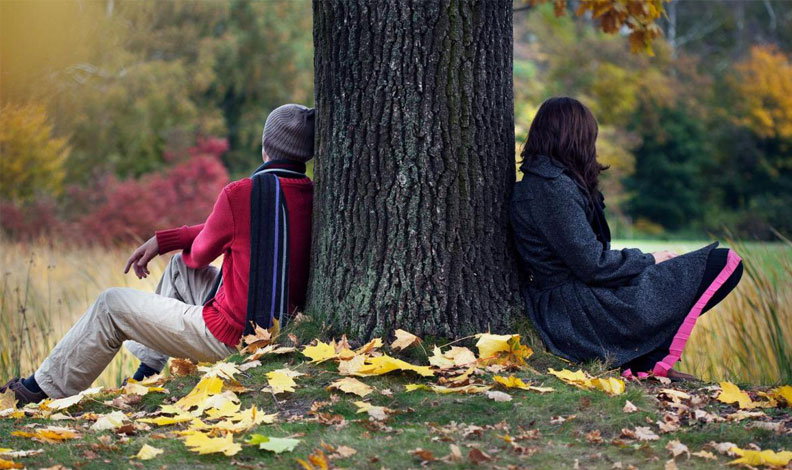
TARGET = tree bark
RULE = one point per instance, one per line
(414, 167)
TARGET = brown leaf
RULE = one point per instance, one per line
(629, 407)
(677, 448)
(423, 454)
(181, 367)
(478, 456)
(594, 437)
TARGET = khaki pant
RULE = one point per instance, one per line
(167, 323)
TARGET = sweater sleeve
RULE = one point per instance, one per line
(214, 238)
(561, 218)
(177, 238)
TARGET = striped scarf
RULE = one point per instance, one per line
(268, 282)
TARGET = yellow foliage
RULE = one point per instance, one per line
(320, 352)
(148, 452)
(404, 339)
(32, 158)
(763, 83)
(384, 364)
(281, 380)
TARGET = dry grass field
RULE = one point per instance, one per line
(46, 288)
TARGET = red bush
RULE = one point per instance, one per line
(115, 211)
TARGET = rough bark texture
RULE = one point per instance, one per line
(414, 166)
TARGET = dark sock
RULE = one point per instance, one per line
(144, 371)
(31, 384)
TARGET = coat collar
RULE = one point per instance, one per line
(544, 166)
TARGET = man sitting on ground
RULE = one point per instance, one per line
(262, 226)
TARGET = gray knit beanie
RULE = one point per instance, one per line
(289, 133)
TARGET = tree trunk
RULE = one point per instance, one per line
(414, 167)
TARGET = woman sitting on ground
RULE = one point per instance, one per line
(634, 310)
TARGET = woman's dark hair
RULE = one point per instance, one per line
(565, 130)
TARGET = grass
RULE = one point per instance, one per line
(423, 420)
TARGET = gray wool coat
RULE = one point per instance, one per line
(586, 300)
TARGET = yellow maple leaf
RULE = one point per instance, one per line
(167, 420)
(351, 366)
(437, 359)
(379, 413)
(207, 387)
(467, 389)
(490, 345)
(761, 457)
(50, 434)
(320, 352)
(10, 464)
(731, 393)
(281, 380)
(383, 364)
(135, 388)
(351, 385)
(502, 349)
(516, 382)
(375, 343)
(580, 379)
(148, 452)
(316, 461)
(224, 370)
(609, 385)
(784, 393)
(244, 420)
(404, 340)
(203, 444)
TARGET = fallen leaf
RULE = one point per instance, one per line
(351, 385)
(424, 455)
(197, 397)
(273, 444)
(595, 437)
(316, 461)
(629, 407)
(167, 420)
(181, 367)
(580, 379)
(10, 464)
(224, 370)
(109, 421)
(478, 456)
(742, 414)
(384, 364)
(761, 457)
(201, 443)
(249, 365)
(404, 340)
(731, 393)
(783, 393)
(281, 380)
(319, 352)
(261, 337)
(351, 366)
(375, 343)
(379, 413)
(148, 452)
(677, 448)
(50, 434)
(498, 396)
(63, 403)
(705, 455)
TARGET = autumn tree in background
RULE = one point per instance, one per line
(32, 157)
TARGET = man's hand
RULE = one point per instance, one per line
(140, 258)
(664, 255)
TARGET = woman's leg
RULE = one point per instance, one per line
(716, 262)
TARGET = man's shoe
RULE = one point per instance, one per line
(22, 394)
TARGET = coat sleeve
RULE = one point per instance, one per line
(214, 238)
(560, 217)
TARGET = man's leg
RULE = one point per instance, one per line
(179, 282)
(160, 323)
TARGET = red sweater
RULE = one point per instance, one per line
(227, 231)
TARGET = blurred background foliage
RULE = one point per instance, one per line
(108, 105)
